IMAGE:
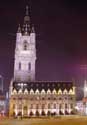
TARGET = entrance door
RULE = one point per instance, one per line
(25, 111)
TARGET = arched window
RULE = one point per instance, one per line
(54, 106)
(19, 65)
(25, 45)
(29, 66)
(49, 106)
(65, 106)
(43, 106)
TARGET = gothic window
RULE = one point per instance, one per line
(65, 106)
(20, 106)
(29, 66)
(31, 106)
(71, 105)
(54, 106)
(43, 106)
(13, 106)
(25, 45)
(19, 65)
(37, 106)
(60, 106)
(49, 106)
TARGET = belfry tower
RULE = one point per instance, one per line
(25, 52)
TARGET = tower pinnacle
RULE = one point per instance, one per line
(27, 13)
(27, 18)
(19, 29)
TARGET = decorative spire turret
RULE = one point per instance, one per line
(32, 29)
(19, 29)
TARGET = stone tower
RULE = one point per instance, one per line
(25, 52)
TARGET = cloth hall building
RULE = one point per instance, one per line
(29, 97)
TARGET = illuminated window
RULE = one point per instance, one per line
(71, 98)
(13, 106)
(20, 106)
(49, 106)
(19, 65)
(31, 106)
(43, 106)
(60, 106)
(54, 106)
(65, 106)
(71, 105)
(37, 106)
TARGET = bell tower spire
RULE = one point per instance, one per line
(27, 18)
(25, 51)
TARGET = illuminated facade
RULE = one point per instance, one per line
(2, 103)
(25, 52)
(84, 100)
(27, 96)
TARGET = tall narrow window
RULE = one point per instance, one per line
(29, 66)
(19, 65)
(71, 105)
(49, 106)
(54, 106)
(43, 106)
(25, 45)
(60, 106)
(65, 106)
(37, 106)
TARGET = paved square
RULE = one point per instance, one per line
(46, 121)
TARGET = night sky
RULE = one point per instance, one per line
(61, 37)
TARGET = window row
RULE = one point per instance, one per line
(29, 66)
(50, 106)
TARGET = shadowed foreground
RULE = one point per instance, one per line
(46, 121)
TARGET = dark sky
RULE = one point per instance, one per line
(61, 29)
